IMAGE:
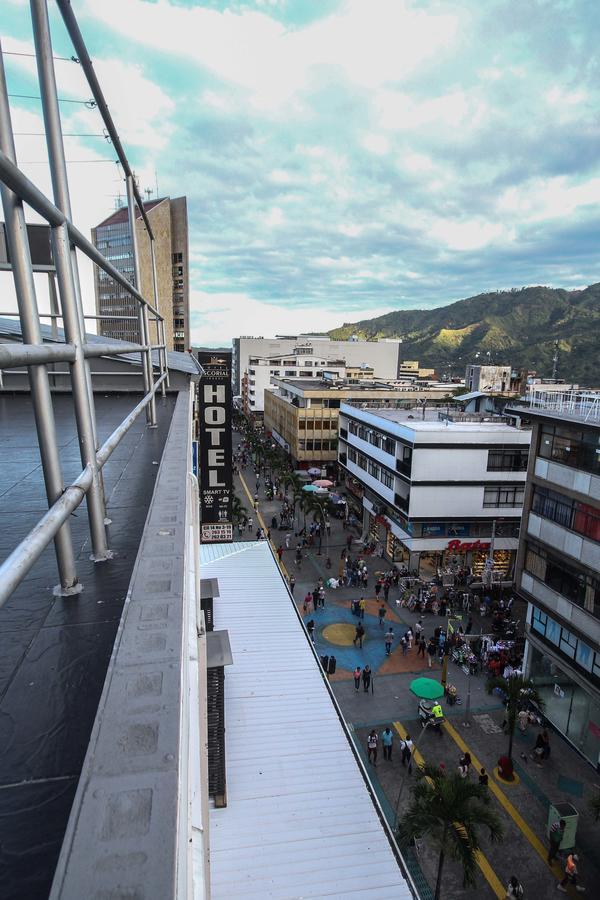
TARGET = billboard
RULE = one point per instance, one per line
(214, 447)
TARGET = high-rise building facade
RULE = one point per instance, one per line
(558, 567)
(168, 218)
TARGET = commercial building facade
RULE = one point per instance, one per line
(302, 414)
(168, 219)
(382, 355)
(558, 570)
(436, 492)
(302, 363)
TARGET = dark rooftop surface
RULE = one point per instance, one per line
(54, 652)
(122, 215)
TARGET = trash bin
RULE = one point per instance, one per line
(567, 812)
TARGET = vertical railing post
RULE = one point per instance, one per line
(143, 309)
(162, 354)
(16, 234)
(163, 340)
(58, 170)
(72, 315)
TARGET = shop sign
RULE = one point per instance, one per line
(559, 691)
(214, 461)
(464, 546)
(381, 520)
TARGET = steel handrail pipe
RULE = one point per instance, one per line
(24, 188)
(13, 355)
(18, 563)
(85, 61)
(121, 430)
(142, 310)
(22, 270)
(59, 315)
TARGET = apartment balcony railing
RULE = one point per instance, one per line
(580, 404)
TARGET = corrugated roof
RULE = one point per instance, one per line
(471, 396)
(180, 362)
(299, 821)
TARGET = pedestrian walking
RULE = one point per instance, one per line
(288, 539)
(322, 597)
(366, 678)
(514, 889)
(409, 638)
(571, 873)
(356, 676)
(348, 541)
(292, 584)
(418, 630)
(389, 637)
(308, 602)
(386, 591)
(555, 836)
(377, 588)
(483, 777)
(382, 612)
(422, 646)
(310, 627)
(430, 652)
(359, 635)
(250, 523)
(545, 744)
(387, 739)
(280, 552)
(404, 644)
(361, 607)
(407, 749)
(372, 741)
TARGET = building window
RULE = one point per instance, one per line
(572, 583)
(571, 514)
(504, 495)
(387, 479)
(373, 469)
(177, 258)
(508, 459)
(571, 447)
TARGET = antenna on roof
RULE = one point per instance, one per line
(148, 193)
(156, 183)
(555, 361)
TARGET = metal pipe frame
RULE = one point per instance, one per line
(16, 231)
(12, 176)
(16, 566)
(17, 354)
(162, 354)
(85, 61)
(60, 184)
(53, 315)
(143, 310)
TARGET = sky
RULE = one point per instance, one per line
(341, 158)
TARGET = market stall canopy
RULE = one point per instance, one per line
(427, 689)
(314, 471)
(323, 483)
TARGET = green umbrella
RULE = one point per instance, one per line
(427, 688)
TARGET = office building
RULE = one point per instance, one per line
(168, 219)
(382, 355)
(302, 414)
(558, 570)
(436, 490)
(258, 378)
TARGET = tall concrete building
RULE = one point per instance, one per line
(559, 561)
(382, 355)
(168, 218)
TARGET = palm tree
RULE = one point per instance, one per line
(450, 810)
(516, 690)
(238, 510)
(316, 506)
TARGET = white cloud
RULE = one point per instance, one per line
(223, 316)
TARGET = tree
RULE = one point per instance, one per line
(516, 690)
(450, 810)
(316, 506)
(238, 510)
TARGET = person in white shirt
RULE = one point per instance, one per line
(407, 749)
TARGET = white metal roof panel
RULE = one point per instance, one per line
(299, 821)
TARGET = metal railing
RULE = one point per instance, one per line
(581, 404)
(16, 189)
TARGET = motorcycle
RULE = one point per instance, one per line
(426, 716)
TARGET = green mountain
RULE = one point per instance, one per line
(518, 327)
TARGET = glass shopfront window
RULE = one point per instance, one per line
(570, 708)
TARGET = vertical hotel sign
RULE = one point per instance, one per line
(214, 456)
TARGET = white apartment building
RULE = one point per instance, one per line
(437, 492)
(302, 363)
(383, 355)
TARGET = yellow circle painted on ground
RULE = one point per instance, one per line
(501, 780)
(340, 633)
